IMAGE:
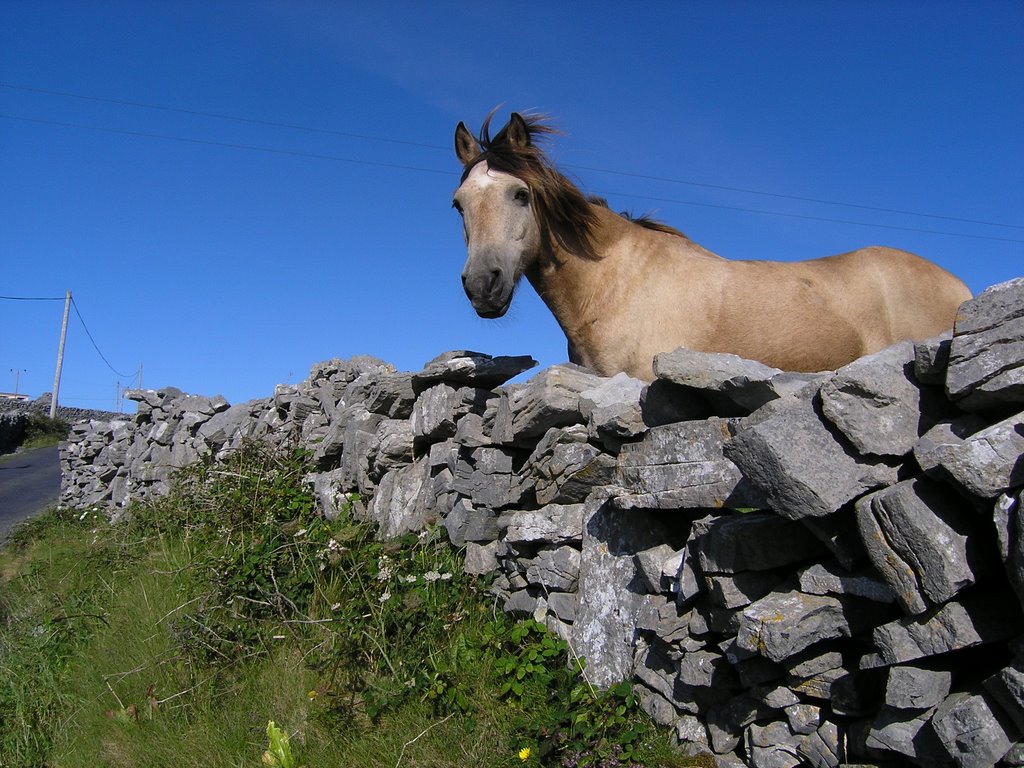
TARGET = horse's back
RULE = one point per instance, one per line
(823, 313)
(919, 299)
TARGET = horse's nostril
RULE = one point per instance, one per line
(492, 284)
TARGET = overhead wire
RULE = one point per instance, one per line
(95, 345)
(420, 169)
(370, 137)
(33, 298)
(85, 327)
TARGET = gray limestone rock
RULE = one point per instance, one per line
(916, 535)
(772, 746)
(683, 465)
(801, 466)
(989, 461)
(985, 618)
(726, 722)
(481, 558)
(556, 569)
(707, 669)
(784, 623)
(223, 424)
(564, 468)
(395, 443)
(737, 590)
(931, 359)
(723, 378)
(875, 402)
(1009, 524)
(651, 563)
(435, 412)
(394, 506)
(1006, 687)
(331, 497)
(910, 687)
(755, 541)
(929, 449)
(986, 358)
(612, 410)
(486, 478)
(549, 399)
(663, 402)
(604, 630)
(359, 440)
(972, 732)
(553, 523)
(896, 731)
(832, 579)
(461, 368)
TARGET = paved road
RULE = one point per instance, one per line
(29, 483)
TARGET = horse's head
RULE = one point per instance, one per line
(498, 217)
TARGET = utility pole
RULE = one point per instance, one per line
(17, 376)
(60, 356)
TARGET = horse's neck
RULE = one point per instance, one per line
(597, 302)
(581, 292)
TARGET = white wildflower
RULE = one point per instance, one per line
(385, 596)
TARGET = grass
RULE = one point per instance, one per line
(174, 638)
(42, 431)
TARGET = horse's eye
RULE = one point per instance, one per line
(522, 196)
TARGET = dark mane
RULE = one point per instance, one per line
(563, 212)
(645, 220)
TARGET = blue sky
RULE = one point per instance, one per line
(225, 256)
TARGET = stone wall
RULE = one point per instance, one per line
(793, 569)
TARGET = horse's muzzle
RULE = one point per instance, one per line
(489, 292)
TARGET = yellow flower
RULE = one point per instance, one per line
(524, 753)
(312, 694)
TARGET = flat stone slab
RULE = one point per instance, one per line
(911, 687)
(875, 402)
(462, 368)
(971, 732)
(983, 619)
(754, 541)
(916, 535)
(783, 624)
(549, 399)
(800, 465)
(989, 461)
(683, 465)
(986, 357)
(746, 384)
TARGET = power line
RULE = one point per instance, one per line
(32, 298)
(221, 116)
(799, 198)
(812, 218)
(95, 346)
(228, 145)
(420, 169)
(370, 137)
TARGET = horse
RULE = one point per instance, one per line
(624, 290)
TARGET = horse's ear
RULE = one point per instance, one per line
(466, 147)
(518, 131)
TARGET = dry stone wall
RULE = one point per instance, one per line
(793, 569)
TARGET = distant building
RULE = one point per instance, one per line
(11, 396)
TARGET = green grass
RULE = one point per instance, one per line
(174, 638)
(42, 431)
